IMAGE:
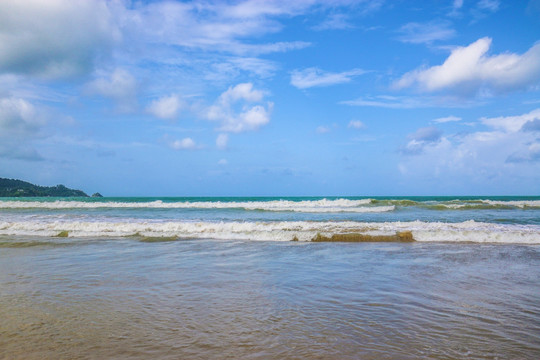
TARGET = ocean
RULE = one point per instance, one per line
(229, 278)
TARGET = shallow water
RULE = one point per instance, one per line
(198, 299)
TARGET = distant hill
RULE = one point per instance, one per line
(19, 188)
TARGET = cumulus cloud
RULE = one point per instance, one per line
(244, 91)
(239, 109)
(418, 33)
(184, 144)
(312, 77)
(222, 141)
(120, 86)
(166, 107)
(470, 69)
(512, 123)
(55, 38)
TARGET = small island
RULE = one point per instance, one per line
(19, 188)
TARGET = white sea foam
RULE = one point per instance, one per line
(523, 204)
(468, 231)
(313, 206)
(308, 206)
(516, 203)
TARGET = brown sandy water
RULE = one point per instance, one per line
(198, 299)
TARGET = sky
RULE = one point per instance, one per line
(272, 98)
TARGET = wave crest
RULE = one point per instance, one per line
(468, 231)
(309, 206)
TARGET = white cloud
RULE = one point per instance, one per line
(223, 162)
(446, 119)
(166, 107)
(470, 70)
(356, 124)
(457, 4)
(221, 26)
(62, 38)
(251, 119)
(236, 111)
(503, 151)
(512, 123)
(222, 141)
(213, 26)
(120, 86)
(242, 91)
(418, 33)
(54, 38)
(184, 144)
(312, 77)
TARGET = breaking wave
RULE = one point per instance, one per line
(468, 231)
(462, 204)
(302, 206)
(310, 206)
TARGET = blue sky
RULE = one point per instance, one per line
(157, 98)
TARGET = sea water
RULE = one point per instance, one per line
(200, 278)
(468, 219)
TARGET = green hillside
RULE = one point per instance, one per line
(19, 188)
